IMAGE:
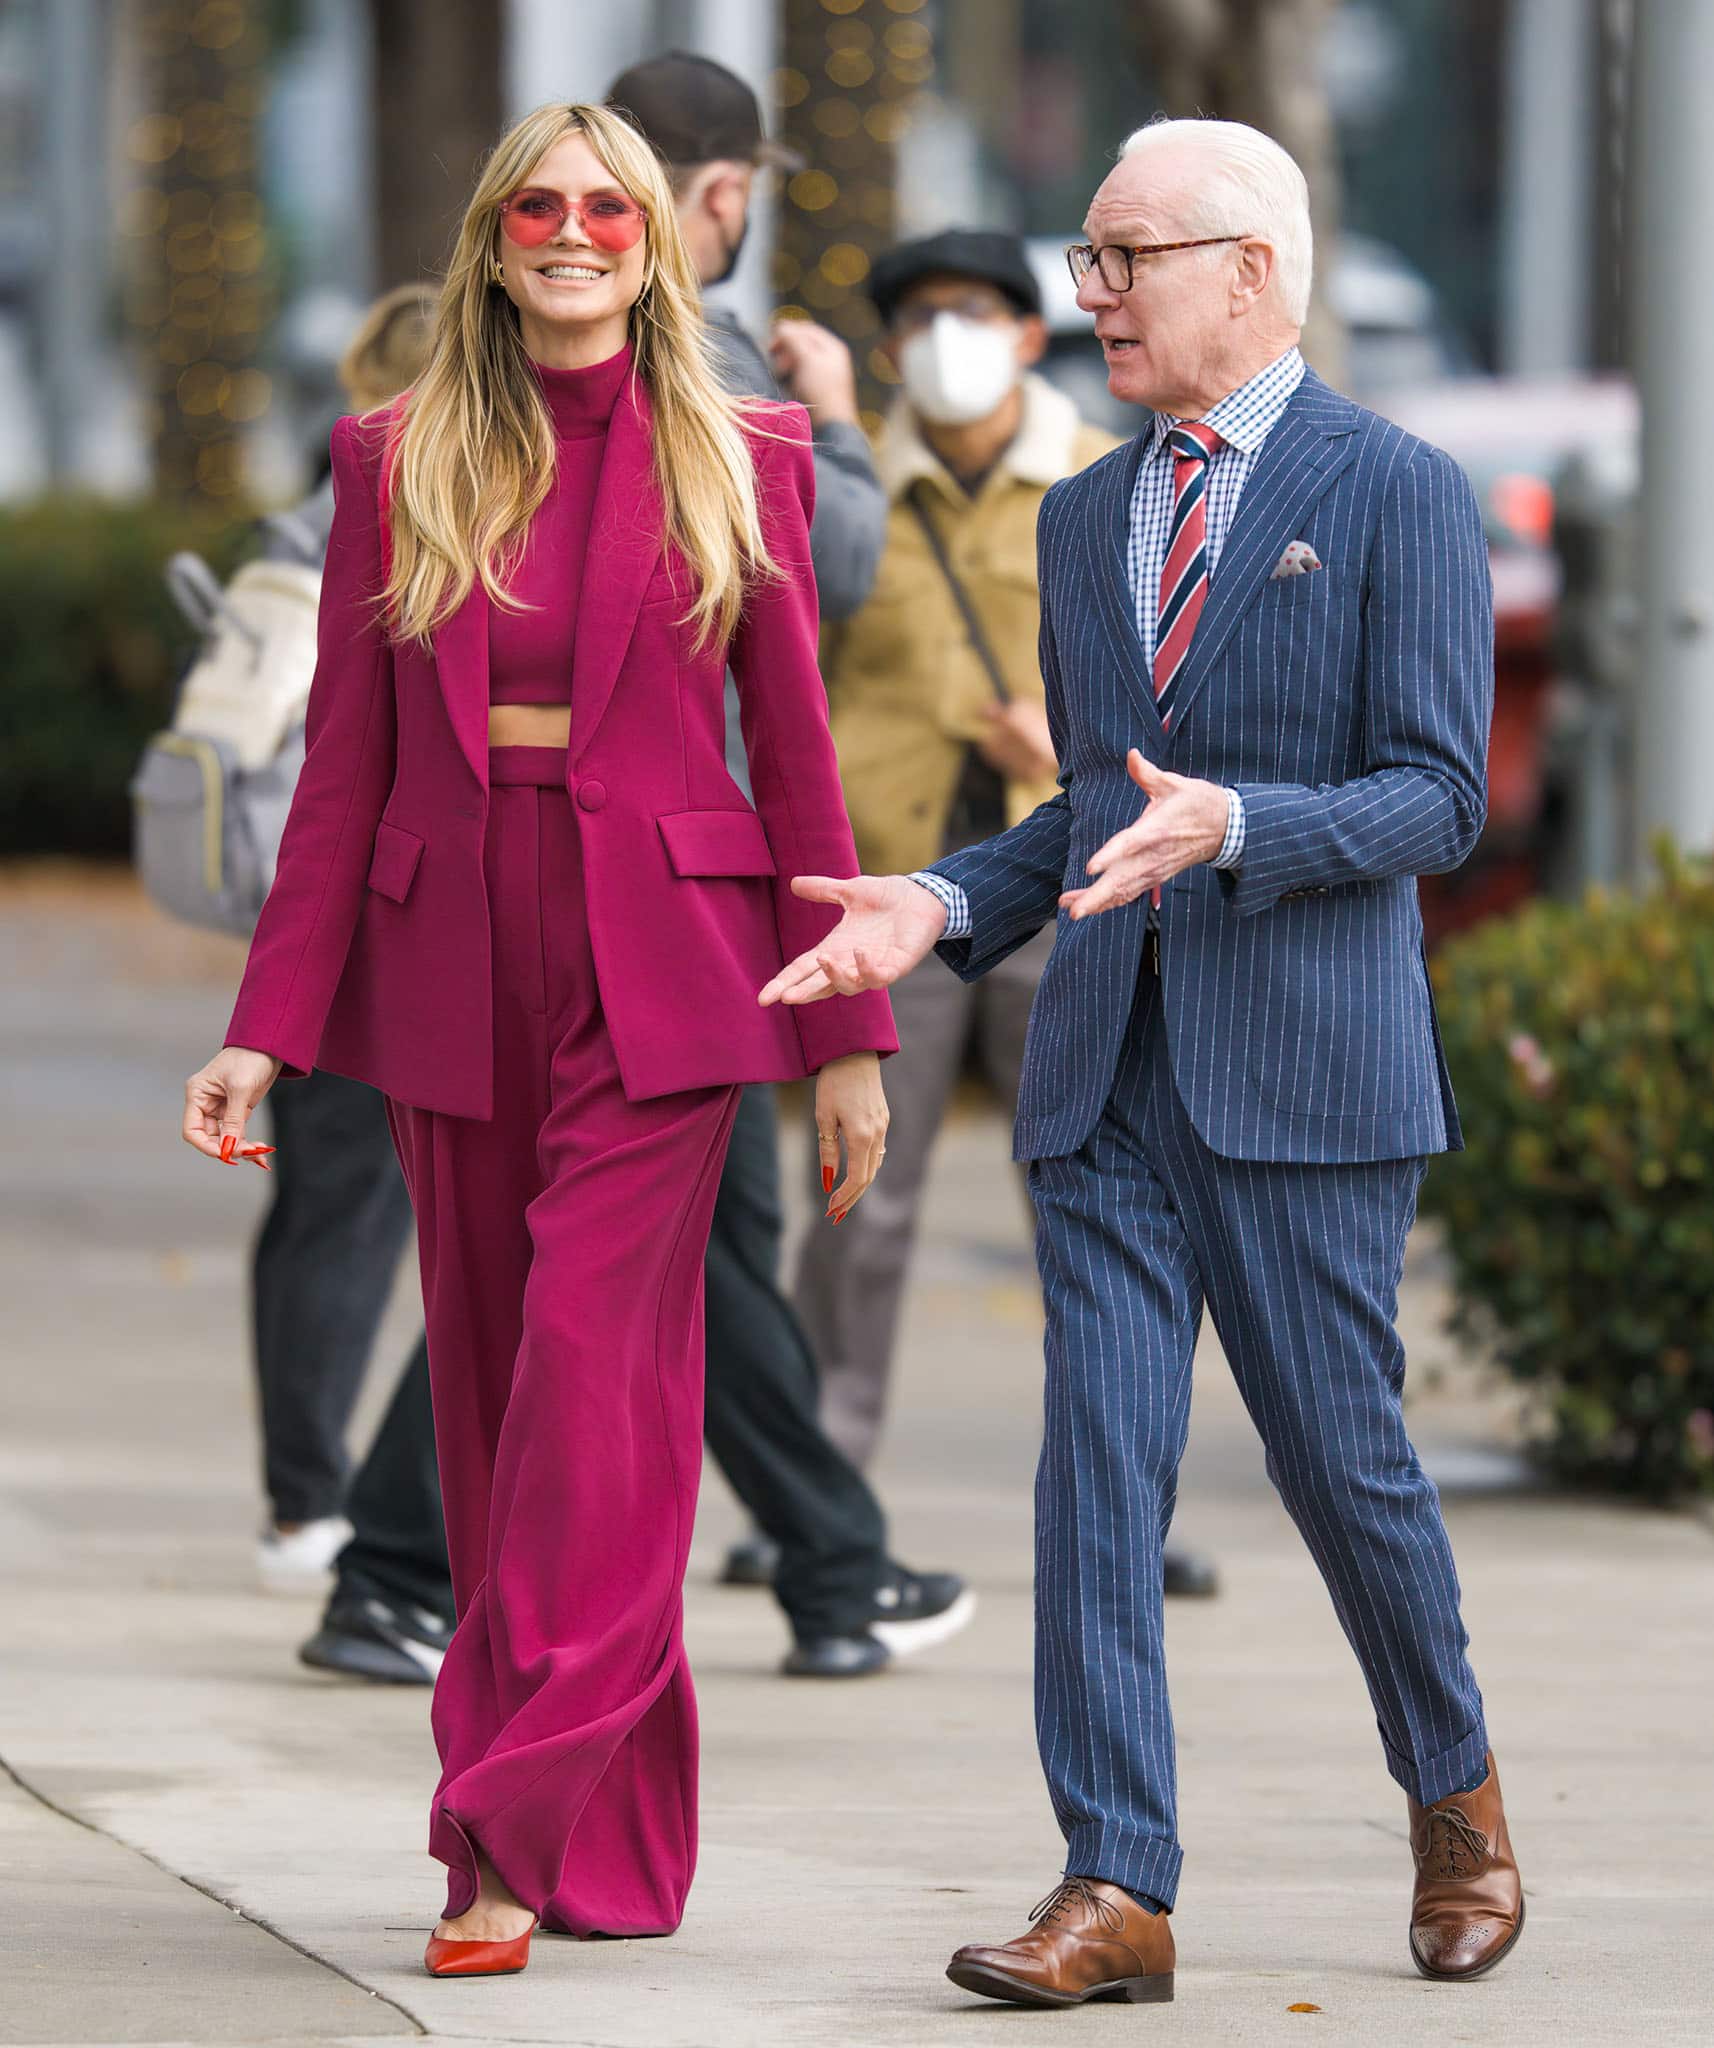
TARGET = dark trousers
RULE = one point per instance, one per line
(763, 1399)
(324, 1262)
(398, 1550)
(324, 1265)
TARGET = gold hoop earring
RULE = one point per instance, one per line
(496, 273)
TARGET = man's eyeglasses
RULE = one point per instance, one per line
(1117, 258)
(611, 220)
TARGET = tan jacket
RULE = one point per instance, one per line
(906, 687)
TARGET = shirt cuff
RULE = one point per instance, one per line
(1231, 854)
(952, 896)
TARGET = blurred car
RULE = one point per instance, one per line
(1514, 437)
(1396, 333)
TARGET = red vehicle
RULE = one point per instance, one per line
(1514, 436)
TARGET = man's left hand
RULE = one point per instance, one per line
(815, 367)
(1017, 743)
(1182, 825)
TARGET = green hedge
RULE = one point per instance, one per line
(1581, 1218)
(90, 648)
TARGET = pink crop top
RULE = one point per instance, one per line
(529, 652)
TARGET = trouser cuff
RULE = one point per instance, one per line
(378, 1577)
(1430, 1778)
(1149, 1864)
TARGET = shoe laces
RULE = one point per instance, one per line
(1456, 1836)
(1079, 1891)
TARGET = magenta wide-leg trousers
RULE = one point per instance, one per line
(561, 1247)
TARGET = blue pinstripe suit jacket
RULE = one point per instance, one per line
(1351, 707)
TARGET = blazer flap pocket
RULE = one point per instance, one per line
(394, 865)
(716, 843)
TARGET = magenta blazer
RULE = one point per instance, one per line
(371, 958)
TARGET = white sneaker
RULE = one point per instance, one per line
(301, 1562)
(918, 1610)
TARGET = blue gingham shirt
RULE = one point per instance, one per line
(1243, 419)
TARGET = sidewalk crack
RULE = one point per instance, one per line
(279, 1934)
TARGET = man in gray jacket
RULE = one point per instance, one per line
(705, 122)
(851, 1607)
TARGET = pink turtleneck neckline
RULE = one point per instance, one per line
(580, 402)
(530, 652)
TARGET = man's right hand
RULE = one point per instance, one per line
(218, 1100)
(890, 924)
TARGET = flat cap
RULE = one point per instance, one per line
(987, 255)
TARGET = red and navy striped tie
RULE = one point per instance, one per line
(1184, 573)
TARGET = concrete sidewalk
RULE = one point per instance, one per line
(202, 1842)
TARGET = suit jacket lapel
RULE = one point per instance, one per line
(1110, 533)
(1311, 443)
(625, 547)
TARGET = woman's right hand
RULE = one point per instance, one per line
(218, 1101)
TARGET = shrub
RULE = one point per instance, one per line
(90, 648)
(1581, 1218)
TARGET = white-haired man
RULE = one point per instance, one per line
(1270, 612)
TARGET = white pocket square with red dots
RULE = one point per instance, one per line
(1297, 560)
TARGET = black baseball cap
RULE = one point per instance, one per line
(695, 111)
(986, 254)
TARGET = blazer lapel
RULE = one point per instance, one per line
(626, 542)
(461, 664)
(1109, 533)
(1307, 449)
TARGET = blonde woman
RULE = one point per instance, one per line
(520, 894)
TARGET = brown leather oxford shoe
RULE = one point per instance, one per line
(1087, 1940)
(1468, 1907)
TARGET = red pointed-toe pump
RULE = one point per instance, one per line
(444, 1958)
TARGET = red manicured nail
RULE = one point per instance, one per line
(827, 1180)
(257, 1151)
(228, 1145)
(840, 1218)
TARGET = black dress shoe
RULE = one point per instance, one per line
(752, 1562)
(837, 1657)
(1186, 1575)
(386, 1642)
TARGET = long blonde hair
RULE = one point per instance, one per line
(472, 451)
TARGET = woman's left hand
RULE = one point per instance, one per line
(850, 1104)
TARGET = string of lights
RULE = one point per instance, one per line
(201, 291)
(851, 73)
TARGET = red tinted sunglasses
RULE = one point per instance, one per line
(536, 214)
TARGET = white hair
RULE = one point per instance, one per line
(1247, 185)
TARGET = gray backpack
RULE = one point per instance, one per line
(211, 793)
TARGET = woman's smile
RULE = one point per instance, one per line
(570, 273)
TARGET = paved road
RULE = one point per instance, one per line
(204, 1843)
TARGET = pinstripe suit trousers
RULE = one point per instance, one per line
(1299, 1266)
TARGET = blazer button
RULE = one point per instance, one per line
(591, 796)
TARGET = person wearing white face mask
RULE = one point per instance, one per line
(939, 718)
